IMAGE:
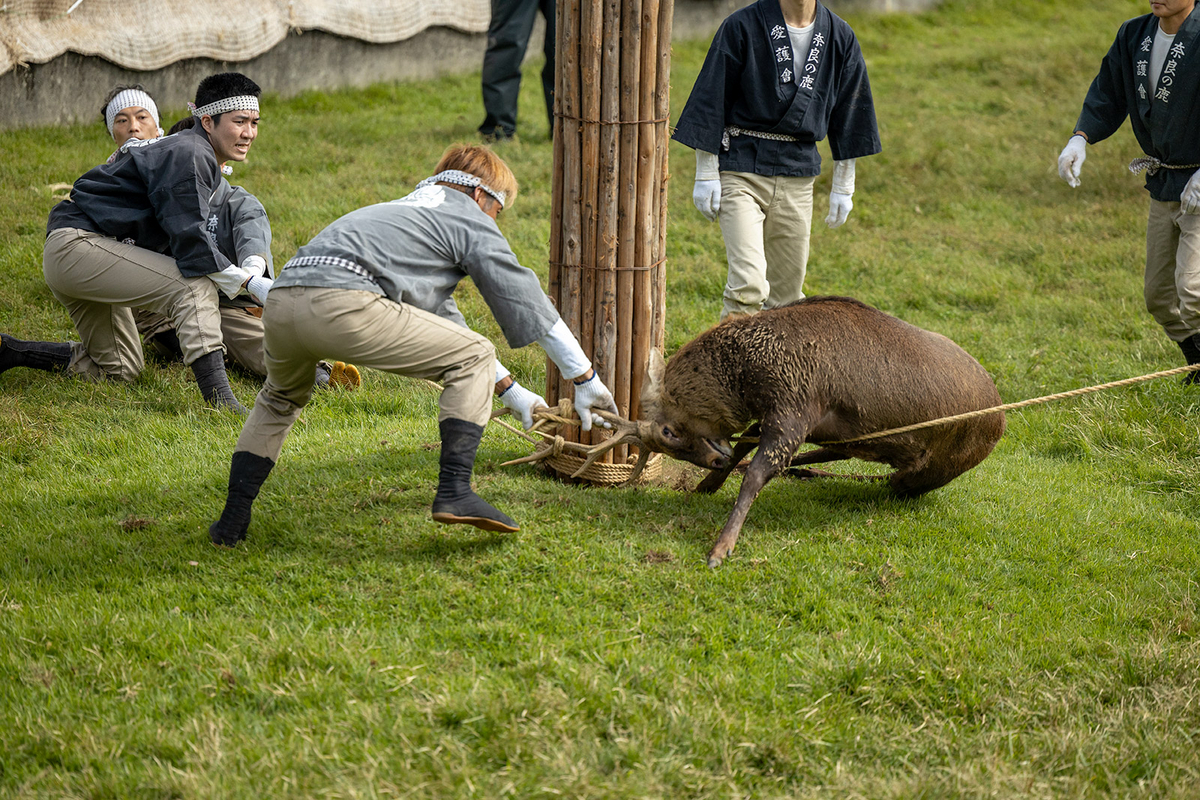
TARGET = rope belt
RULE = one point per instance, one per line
(330, 261)
(1153, 165)
(733, 130)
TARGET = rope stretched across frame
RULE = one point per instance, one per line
(1011, 406)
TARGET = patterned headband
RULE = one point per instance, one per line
(129, 98)
(460, 178)
(246, 102)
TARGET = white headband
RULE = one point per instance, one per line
(460, 178)
(130, 98)
(245, 102)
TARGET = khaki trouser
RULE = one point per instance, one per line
(99, 280)
(765, 222)
(304, 325)
(243, 336)
(241, 331)
(1172, 285)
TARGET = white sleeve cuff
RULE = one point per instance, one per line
(255, 265)
(708, 166)
(843, 176)
(501, 371)
(230, 280)
(564, 350)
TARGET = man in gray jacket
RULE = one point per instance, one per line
(133, 234)
(376, 288)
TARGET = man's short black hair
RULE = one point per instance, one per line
(223, 85)
(120, 87)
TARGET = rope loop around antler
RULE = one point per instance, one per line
(578, 460)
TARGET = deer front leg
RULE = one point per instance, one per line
(774, 453)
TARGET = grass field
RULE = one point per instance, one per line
(1030, 630)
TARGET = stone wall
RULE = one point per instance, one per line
(69, 88)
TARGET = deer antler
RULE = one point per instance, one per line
(624, 432)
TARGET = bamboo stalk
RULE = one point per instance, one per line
(554, 272)
(627, 215)
(591, 70)
(570, 308)
(648, 219)
(607, 168)
(662, 111)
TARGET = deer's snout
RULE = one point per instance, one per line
(719, 456)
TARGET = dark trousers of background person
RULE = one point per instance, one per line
(508, 39)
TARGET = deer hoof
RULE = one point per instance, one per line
(717, 556)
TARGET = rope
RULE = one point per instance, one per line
(1011, 406)
(610, 269)
(588, 120)
(1153, 165)
(566, 458)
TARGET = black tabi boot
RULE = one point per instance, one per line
(209, 370)
(455, 502)
(1191, 351)
(246, 475)
(46, 356)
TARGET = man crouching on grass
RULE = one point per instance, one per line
(132, 235)
(376, 288)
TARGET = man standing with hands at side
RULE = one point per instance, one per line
(1151, 74)
(780, 76)
(509, 31)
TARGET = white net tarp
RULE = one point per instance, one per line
(150, 34)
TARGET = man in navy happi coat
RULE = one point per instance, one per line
(1151, 74)
(780, 76)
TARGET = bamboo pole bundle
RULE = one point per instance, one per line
(608, 238)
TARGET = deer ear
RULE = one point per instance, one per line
(652, 388)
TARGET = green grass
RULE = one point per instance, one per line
(1029, 630)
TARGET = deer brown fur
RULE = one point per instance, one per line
(822, 370)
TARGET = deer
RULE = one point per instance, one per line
(823, 371)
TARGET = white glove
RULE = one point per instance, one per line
(840, 203)
(707, 193)
(590, 394)
(258, 288)
(839, 209)
(1071, 159)
(521, 402)
(706, 196)
(1190, 199)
